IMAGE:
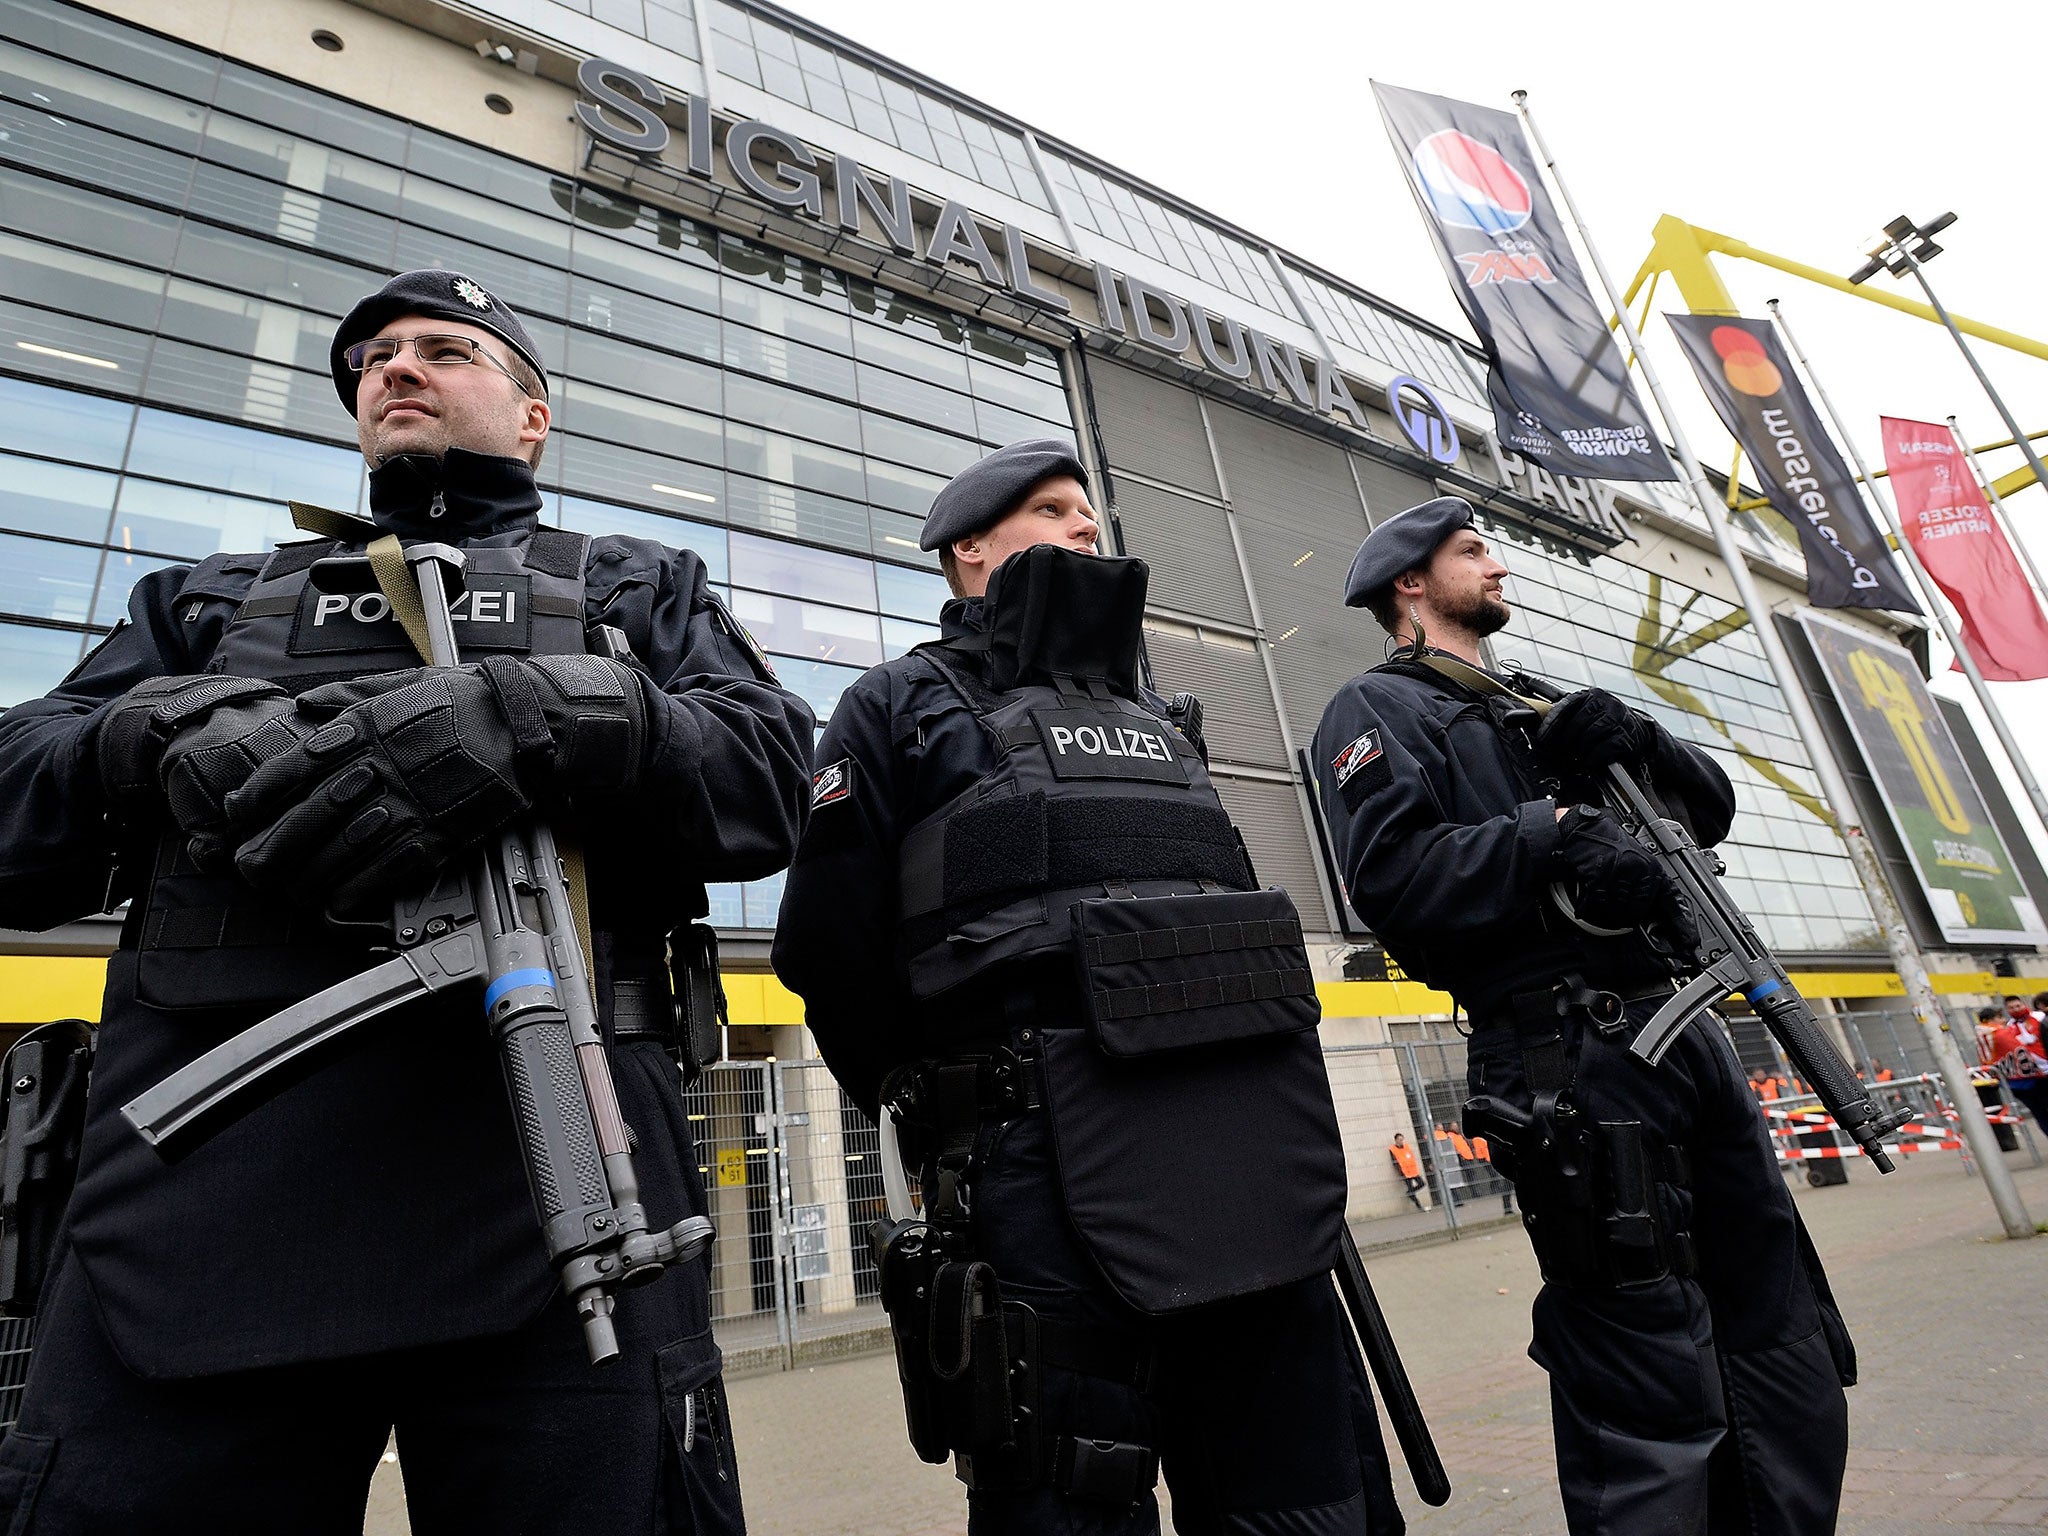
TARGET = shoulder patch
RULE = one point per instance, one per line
(1361, 768)
(832, 784)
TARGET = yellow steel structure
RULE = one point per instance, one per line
(1686, 251)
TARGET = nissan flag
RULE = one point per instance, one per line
(1944, 514)
(1744, 370)
(1559, 392)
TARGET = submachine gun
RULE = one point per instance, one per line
(1730, 957)
(503, 926)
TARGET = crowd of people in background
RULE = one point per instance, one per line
(2010, 1046)
(1468, 1156)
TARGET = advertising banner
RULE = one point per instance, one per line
(1964, 868)
(1745, 371)
(1943, 513)
(1559, 392)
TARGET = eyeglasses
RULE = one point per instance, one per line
(434, 351)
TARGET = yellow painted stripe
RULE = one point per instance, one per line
(34, 988)
(37, 988)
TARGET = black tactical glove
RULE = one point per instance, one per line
(1587, 730)
(1617, 883)
(221, 726)
(402, 772)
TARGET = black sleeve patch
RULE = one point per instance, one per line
(832, 784)
(1361, 768)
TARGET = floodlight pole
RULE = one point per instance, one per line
(1834, 789)
(1928, 591)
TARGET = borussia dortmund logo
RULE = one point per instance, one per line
(471, 294)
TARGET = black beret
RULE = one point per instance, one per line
(439, 295)
(1403, 542)
(981, 494)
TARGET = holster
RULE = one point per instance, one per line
(700, 999)
(46, 1073)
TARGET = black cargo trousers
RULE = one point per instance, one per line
(1708, 1402)
(511, 1434)
(1258, 1406)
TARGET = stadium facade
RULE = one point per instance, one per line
(789, 287)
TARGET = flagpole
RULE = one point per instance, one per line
(2012, 531)
(1932, 594)
(1906, 958)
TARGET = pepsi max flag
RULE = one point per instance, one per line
(1746, 373)
(1560, 394)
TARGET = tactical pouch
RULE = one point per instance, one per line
(700, 998)
(1165, 973)
(44, 1120)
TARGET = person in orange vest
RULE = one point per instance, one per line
(1409, 1166)
(1482, 1153)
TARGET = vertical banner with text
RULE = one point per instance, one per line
(1747, 375)
(1944, 515)
(1965, 870)
(1559, 391)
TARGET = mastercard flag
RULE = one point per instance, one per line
(1559, 391)
(1943, 513)
(1743, 368)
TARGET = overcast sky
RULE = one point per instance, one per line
(1797, 128)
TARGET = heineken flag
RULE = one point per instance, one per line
(1964, 868)
(1744, 370)
(1559, 392)
(1944, 515)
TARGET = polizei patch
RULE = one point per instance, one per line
(1361, 768)
(492, 613)
(832, 783)
(1086, 744)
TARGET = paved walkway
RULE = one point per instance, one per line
(1951, 1323)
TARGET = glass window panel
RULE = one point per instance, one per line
(34, 661)
(739, 60)
(626, 15)
(668, 29)
(40, 497)
(773, 42)
(755, 402)
(860, 79)
(912, 134)
(58, 92)
(815, 60)
(763, 900)
(788, 625)
(1019, 391)
(118, 579)
(71, 351)
(675, 380)
(931, 451)
(590, 410)
(761, 308)
(873, 119)
(900, 635)
(191, 523)
(932, 404)
(798, 512)
(828, 100)
(813, 368)
(43, 580)
(30, 205)
(582, 515)
(61, 423)
(894, 347)
(285, 213)
(782, 79)
(79, 34)
(498, 177)
(268, 150)
(247, 326)
(726, 908)
(792, 275)
(627, 241)
(452, 211)
(895, 535)
(267, 99)
(910, 594)
(62, 146)
(817, 683)
(794, 461)
(902, 489)
(284, 273)
(177, 447)
(998, 424)
(770, 565)
(87, 285)
(529, 287)
(246, 389)
(621, 312)
(615, 473)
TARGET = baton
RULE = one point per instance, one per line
(1374, 1337)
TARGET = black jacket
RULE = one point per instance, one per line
(381, 1203)
(1445, 830)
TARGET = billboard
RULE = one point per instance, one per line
(1964, 868)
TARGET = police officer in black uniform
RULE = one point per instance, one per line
(1696, 1357)
(262, 765)
(1021, 918)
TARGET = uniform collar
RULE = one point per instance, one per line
(481, 494)
(962, 616)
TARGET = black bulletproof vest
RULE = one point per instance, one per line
(207, 940)
(1092, 795)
